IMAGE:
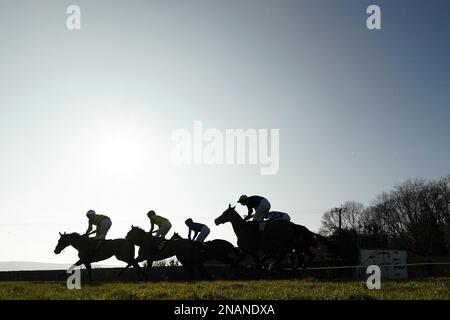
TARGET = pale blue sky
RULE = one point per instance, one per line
(358, 110)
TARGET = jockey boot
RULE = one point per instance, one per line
(98, 244)
(161, 244)
(262, 225)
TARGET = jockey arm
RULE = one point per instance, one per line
(152, 226)
(89, 229)
(189, 235)
(250, 213)
(153, 231)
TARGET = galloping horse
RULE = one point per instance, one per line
(122, 249)
(191, 254)
(220, 250)
(278, 239)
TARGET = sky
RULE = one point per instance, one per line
(86, 116)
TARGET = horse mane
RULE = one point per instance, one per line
(141, 231)
(234, 211)
(138, 228)
(72, 234)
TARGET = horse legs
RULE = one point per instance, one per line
(311, 256)
(64, 273)
(257, 261)
(300, 259)
(202, 270)
(234, 268)
(266, 259)
(191, 271)
(138, 270)
(78, 263)
(149, 265)
(241, 256)
(89, 270)
(277, 261)
(291, 259)
(137, 267)
(135, 261)
(123, 270)
(234, 258)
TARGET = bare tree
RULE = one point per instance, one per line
(415, 214)
(351, 214)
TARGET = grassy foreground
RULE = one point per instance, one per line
(262, 289)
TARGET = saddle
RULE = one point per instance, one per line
(258, 226)
(161, 244)
(95, 244)
(202, 247)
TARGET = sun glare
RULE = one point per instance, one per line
(120, 155)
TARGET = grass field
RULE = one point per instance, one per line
(262, 289)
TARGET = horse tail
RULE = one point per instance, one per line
(226, 250)
(124, 269)
(304, 237)
(309, 238)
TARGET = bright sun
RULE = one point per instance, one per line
(120, 155)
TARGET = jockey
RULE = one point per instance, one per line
(163, 224)
(201, 231)
(260, 205)
(102, 223)
(276, 215)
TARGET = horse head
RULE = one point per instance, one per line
(175, 236)
(64, 241)
(227, 215)
(136, 235)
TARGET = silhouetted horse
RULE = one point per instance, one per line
(278, 239)
(190, 254)
(220, 250)
(122, 249)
